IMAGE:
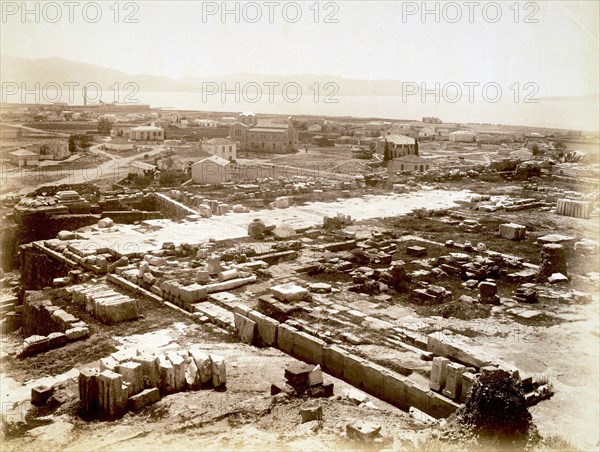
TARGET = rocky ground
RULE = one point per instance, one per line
(560, 344)
(244, 416)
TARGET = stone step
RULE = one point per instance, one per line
(216, 314)
(226, 300)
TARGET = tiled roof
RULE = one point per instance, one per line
(399, 139)
(267, 129)
(214, 159)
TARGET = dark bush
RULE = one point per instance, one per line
(496, 409)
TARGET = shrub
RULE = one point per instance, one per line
(496, 409)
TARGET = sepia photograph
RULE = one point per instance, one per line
(353, 225)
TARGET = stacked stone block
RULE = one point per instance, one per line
(132, 381)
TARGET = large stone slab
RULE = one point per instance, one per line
(308, 347)
(285, 337)
(512, 231)
(166, 376)
(149, 365)
(204, 365)
(454, 373)
(144, 398)
(441, 345)
(266, 327)
(132, 373)
(245, 327)
(119, 310)
(178, 364)
(219, 373)
(290, 292)
(192, 374)
(112, 401)
(437, 379)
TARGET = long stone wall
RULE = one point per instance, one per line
(377, 380)
(171, 208)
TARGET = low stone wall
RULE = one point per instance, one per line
(46, 326)
(171, 208)
(398, 390)
(130, 216)
(40, 266)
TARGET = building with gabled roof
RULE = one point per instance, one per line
(412, 163)
(264, 134)
(398, 145)
(147, 133)
(225, 148)
(24, 157)
(211, 170)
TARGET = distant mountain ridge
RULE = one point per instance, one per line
(60, 70)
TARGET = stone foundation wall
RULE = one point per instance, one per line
(378, 381)
(39, 268)
(130, 216)
(46, 326)
(171, 208)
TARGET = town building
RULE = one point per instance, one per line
(207, 123)
(412, 163)
(24, 157)
(147, 133)
(50, 149)
(211, 170)
(402, 126)
(398, 145)
(225, 148)
(374, 126)
(427, 133)
(118, 146)
(431, 120)
(264, 134)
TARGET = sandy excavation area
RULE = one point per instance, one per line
(556, 342)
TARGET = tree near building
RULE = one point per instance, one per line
(386, 152)
(104, 126)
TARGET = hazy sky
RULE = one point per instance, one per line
(371, 40)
